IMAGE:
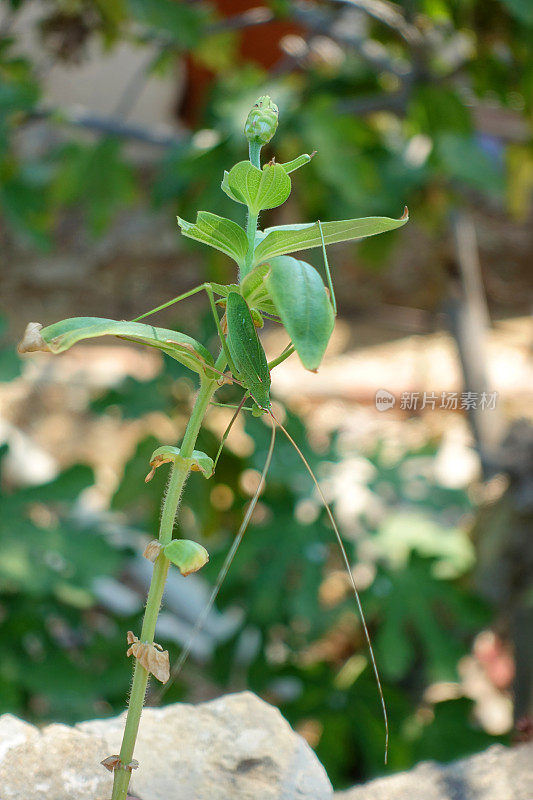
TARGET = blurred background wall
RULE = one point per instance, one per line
(115, 116)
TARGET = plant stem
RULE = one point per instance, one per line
(251, 229)
(177, 480)
(178, 477)
(254, 151)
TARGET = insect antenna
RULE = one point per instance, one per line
(328, 273)
(350, 575)
(158, 696)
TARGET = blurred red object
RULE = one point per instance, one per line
(259, 44)
(496, 659)
(523, 730)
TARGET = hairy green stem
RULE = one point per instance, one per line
(251, 229)
(254, 150)
(178, 478)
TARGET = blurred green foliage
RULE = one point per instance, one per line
(61, 656)
(391, 96)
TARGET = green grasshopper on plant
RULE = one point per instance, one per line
(271, 285)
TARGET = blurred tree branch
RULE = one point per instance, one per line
(109, 126)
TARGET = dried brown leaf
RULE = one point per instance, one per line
(152, 550)
(150, 656)
(32, 341)
(155, 463)
(113, 762)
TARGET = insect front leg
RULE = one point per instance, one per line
(223, 342)
(226, 432)
(288, 351)
(184, 296)
(328, 273)
(208, 289)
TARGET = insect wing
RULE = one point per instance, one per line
(246, 350)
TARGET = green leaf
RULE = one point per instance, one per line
(62, 335)
(41, 561)
(464, 160)
(218, 232)
(188, 556)
(258, 189)
(95, 178)
(179, 22)
(66, 487)
(296, 163)
(424, 618)
(290, 238)
(255, 292)
(253, 281)
(17, 96)
(226, 187)
(303, 305)
(521, 9)
(452, 732)
(135, 398)
(198, 462)
(23, 202)
(10, 363)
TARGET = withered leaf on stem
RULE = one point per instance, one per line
(152, 550)
(150, 656)
(32, 341)
(113, 762)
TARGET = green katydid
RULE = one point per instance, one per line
(250, 369)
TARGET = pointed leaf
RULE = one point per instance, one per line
(255, 292)
(226, 187)
(257, 188)
(218, 232)
(188, 556)
(303, 305)
(62, 335)
(296, 163)
(291, 238)
(253, 281)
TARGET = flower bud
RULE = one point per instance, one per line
(262, 121)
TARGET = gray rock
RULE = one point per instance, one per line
(57, 763)
(500, 773)
(235, 747)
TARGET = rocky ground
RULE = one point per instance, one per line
(234, 747)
